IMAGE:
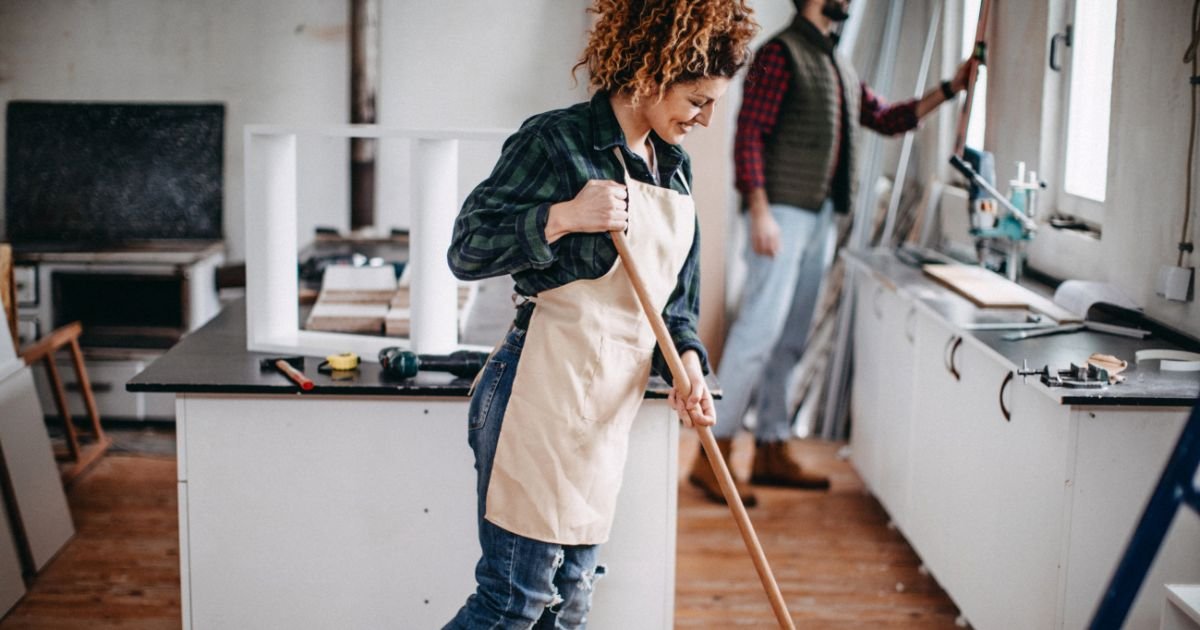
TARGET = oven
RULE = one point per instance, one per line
(133, 305)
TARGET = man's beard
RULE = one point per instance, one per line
(834, 10)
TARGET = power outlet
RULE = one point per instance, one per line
(1175, 283)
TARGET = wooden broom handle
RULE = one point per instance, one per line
(724, 478)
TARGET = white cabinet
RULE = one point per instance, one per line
(360, 512)
(1018, 505)
(1119, 457)
(882, 398)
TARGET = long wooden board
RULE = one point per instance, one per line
(986, 289)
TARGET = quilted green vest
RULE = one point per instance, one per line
(800, 155)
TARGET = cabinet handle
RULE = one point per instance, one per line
(910, 321)
(1065, 37)
(952, 349)
(1003, 408)
(875, 301)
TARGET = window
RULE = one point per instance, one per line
(1088, 92)
(975, 125)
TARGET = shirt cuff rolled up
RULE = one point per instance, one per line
(531, 234)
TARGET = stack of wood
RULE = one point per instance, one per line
(353, 299)
(372, 301)
(398, 322)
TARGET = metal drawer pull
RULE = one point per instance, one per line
(875, 301)
(1003, 408)
(909, 325)
(951, 349)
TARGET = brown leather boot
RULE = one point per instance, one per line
(774, 466)
(703, 477)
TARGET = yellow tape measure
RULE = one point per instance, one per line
(344, 361)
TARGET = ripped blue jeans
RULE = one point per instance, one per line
(520, 582)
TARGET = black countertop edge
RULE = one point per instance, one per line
(419, 390)
(1126, 401)
(214, 360)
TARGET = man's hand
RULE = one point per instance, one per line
(600, 206)
(959, 82)
(694, 407)
(765, 237)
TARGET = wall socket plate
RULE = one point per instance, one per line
(1175, 283)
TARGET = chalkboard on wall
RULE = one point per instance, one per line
(107, 174)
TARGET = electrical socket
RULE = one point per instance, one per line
(1175, 283)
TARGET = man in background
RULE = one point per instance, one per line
(795, 152)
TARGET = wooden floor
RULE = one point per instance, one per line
(837, 562)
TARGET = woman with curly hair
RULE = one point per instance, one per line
(550, 413)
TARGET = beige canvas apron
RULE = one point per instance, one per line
(580, 381)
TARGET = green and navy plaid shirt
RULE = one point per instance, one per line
(502, 226)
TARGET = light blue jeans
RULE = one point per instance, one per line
(520, 582)
(770, 331)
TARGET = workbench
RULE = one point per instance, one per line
(353, 505)
(1018, 498)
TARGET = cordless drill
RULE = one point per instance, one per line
(401, 363)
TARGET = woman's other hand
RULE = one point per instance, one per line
(694, 407)
(600, 206)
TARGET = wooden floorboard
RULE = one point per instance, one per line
(837, 562)
(121, 570)
(834, 556)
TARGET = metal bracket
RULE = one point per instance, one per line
(1076, 377)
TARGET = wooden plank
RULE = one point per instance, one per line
(986, 289)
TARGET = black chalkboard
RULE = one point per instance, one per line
(104, 174)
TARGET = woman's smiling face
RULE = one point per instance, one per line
(684, 106)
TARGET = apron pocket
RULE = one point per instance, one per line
(485, 393)
(616, 383)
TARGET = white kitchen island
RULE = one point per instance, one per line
(353, 506)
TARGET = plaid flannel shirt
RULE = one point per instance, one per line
(501, 229)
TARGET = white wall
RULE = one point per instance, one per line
(283, 61)
(1148, 154)
(452, 63)
(1148, 137)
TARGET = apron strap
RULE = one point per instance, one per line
(625, 169)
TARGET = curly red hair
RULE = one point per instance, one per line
(643, 47)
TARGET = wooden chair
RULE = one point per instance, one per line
(8, 290)
(78, 458)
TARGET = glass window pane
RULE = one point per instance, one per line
(1086, 172)
(975, 125)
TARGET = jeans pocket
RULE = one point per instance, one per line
(485, 393)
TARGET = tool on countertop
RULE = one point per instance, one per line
(344, 362)
(724, 478)
(1098, 372)
(1111, 329)
(291, 367)
(400, 363)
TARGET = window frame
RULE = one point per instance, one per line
(1083, 208)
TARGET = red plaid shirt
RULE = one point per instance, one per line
(762, 96)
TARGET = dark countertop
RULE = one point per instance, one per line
(214, 360)
(1142, 387)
